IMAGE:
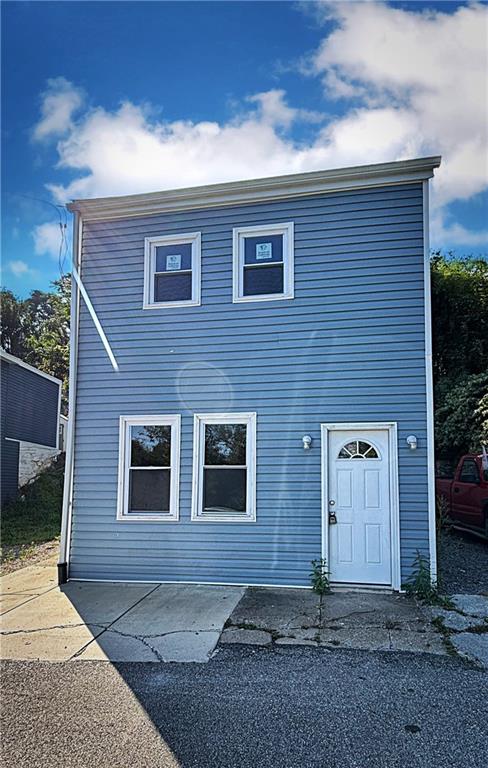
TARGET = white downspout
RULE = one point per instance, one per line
(64, 546)
(429, 389)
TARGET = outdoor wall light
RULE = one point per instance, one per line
(412, 442)
(307, 442)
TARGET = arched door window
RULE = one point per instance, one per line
(358, 449)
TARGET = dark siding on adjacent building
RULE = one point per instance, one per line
(30, 405)
(32, 409)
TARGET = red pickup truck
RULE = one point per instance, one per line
(466, 495)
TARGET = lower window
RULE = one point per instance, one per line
(224, 468)
(149, 456)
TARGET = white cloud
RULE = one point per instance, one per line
(20, 268)
(47, 239)
(455, 234)
(430, 69)
(60, 101)
(415, 84)
(128, 151)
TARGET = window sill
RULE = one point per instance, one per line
(222, 519)
(130, 518)
(171, 304)
(264, 297)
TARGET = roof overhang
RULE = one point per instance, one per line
(17, 361)
(257, 190)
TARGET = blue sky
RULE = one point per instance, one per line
(121, 97)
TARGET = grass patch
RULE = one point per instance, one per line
(34, 516)
(438, 623)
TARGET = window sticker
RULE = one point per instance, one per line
(173, 262)
(264, 251)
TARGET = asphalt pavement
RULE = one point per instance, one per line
(254, 708)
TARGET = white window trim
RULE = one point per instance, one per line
(150, 245)
(125, 423)
(200, 420)
(239, 233)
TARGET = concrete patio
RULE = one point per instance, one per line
(109, 621)
(375, 621)
(184, 622)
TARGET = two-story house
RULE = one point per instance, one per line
(269, 397)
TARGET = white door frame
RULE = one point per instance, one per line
(391, 427)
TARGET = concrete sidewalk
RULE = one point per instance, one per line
(110, 621)
(183, 622)
(375, 621)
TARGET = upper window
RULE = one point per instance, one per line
(172, 270)
(469, 472)
(224, 468)
(358, 449)
(149, 458)
(263, 262)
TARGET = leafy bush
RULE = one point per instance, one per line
(459, 315)
(34, 516)
(461, 415)
(420, 583)
(319, 577)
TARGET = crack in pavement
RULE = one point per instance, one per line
(115, 620)
(30, 595)
(140, 638)
(144, 639)
(6, 632)
(352, 613)
(177, 631)
(302, 616)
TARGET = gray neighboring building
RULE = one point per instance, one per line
(271, 399)
(30, 411)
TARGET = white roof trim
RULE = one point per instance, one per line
(16, 361)
(271, 188)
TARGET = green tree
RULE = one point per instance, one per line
(459, 315)
(461, 415)
(36, 329)
(12, 327)
(460, 354)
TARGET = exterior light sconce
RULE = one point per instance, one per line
(307, 442)
(412, 442)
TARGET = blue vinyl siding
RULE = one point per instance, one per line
(348, 347)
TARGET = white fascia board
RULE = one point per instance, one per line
(257, 190)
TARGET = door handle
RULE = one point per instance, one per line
(456, 490)
(331, 503)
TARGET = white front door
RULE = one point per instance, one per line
(358, 506)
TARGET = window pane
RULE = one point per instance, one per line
(261, 280)
(266, 248)
(469, 472)
(225, 444)
(149, 490)
(171, 258)
(224, 490)
(172, 287)
(150, 446)
(358, 449)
